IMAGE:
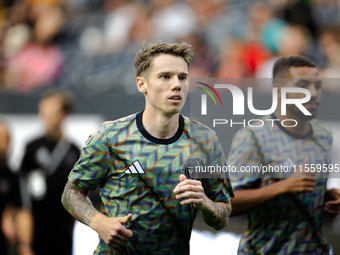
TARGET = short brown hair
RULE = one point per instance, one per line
(66, 97)
(143, 58)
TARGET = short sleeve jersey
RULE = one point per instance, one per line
(137, 174)
(290, 223)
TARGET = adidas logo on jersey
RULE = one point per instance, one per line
(135, 168)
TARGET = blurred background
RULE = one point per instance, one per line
(87, 47)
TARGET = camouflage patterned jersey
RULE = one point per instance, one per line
(137, 174)
(291, 223)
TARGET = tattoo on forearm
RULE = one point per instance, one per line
(76, 203)
(218, 217)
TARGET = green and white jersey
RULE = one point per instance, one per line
(291, 223)
(137, 174)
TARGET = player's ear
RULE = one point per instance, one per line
(141, 84)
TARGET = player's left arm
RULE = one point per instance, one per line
(215, 214)
(332, 202)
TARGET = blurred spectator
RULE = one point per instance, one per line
(294, 40)
(13, 36)
(259, 14)
(171, 19)
(17, 33)
(216, 21)
(126, 22)
(326, 12)
(300, 12)
(45, 167)
(243, 54)
(330, 45)
(39, 62)
(203, 64)
(100, 38)
(15, 232)
(16, 38)
(5, 5)
(232, 64)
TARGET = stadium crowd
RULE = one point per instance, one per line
(88, 45)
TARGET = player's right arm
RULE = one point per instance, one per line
(110, 229)
(94, 161)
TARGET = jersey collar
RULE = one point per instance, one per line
(153, 139)
(297, 136)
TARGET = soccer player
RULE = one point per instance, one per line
(45, 168)
(285, 214)
(148, 205)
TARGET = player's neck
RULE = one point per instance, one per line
(54, 135)
(3, 162)
(160, 126)
(302, 126)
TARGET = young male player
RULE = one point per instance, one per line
(45, 167)
(148, 206)
(285, 214)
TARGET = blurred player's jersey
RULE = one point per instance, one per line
(290, 223)
(44, 169)
(137, 174)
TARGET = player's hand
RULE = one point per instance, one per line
(191, 192)
(112, 230)
(300, 181)
(332, 202)
(8, 225)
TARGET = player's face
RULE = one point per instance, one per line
(4, 144)
(166, 85)
(51, 112)
(307, 78)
